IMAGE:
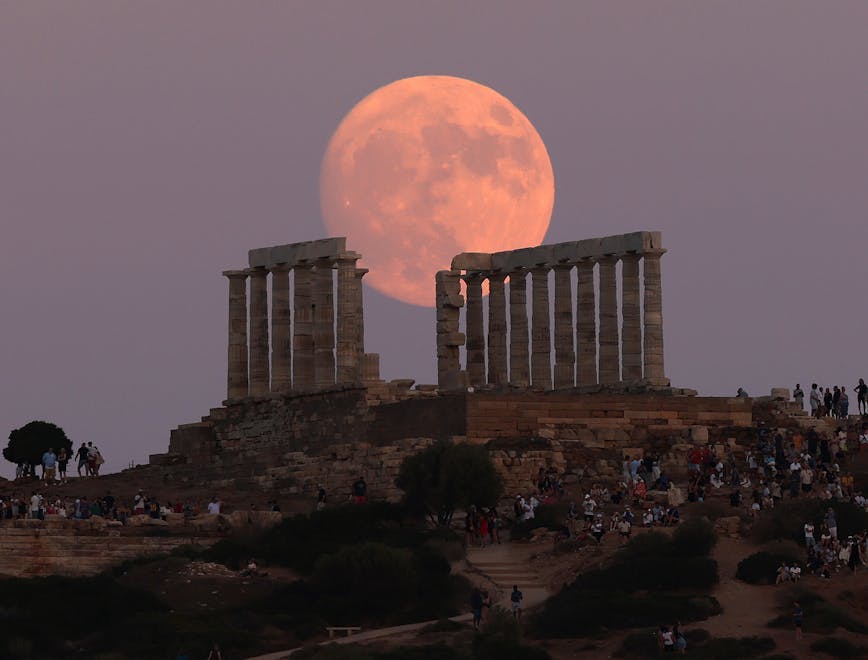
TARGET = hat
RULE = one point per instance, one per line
(587, 497)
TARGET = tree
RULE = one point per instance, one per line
(31, 441)
(447, 476)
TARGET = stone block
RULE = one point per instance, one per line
(699, 434)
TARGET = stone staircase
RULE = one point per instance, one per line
(505, 567)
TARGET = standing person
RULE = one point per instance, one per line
(62, 460)
(214, 505)
(855, 557)
(843, 404)
(49, 464)
(666, 639)
(321, 497)
(35, 505)
(814, 401)
(828, 399)
(680, 639)
(862, 396)
(360, 491)
(81, 455)
(799, 396)
(476, 603)
(798, 616)
(832, 523)
(515, 598)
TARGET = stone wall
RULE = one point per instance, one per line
(287, 445)
(30, 548)
(598, 419)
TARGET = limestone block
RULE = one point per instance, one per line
(780, 394)
(699, 434)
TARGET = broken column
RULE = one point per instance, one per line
(236, 382)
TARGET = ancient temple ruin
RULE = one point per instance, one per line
(317, 335)
(588, 350)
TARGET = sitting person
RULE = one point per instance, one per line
(783, 574)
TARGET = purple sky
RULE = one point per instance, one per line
(144, 147)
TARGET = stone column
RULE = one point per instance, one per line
(586, 325)
(349, 351)
(281, 330)
(475, 329)
(236, 382)
(302, 339)
(259, 353)
(565, 355)
(497, 372)
(653, 353)
(519, 363)
(631, 330)
(610, 368)
(449, 301)
(540, 333)
(358, 292)
(323, 324)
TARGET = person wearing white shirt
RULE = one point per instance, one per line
(214, 506)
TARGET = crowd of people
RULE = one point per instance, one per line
(55, 464)
(39, 505)
(833, 401)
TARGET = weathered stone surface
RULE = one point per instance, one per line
(631, 336)
(541, 356)
(237, 383)
(497, 362)
(565, 355)
(610, 370)
(281, 330)
(586, 325)
(295, 253)
(475, 330)
(519, 361)
(259, 348)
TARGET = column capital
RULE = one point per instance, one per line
(361, 272)
(348, 256)
(473, 276)
(235, 274)
(608, 259)
(540, 269)
(497, 276)
(631, 256)
(563, 265)
(256, 272)
(653, 252)
(279, 268)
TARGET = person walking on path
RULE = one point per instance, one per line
(516, 598)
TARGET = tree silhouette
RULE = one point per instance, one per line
(447, 476)
(27, 444)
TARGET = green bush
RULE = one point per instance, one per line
(761, 567)
(649, 544)
(370, 579)
(580, 612)
(839, 648)
(657, 573)
(694, 538)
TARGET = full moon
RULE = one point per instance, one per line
(430, 166)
